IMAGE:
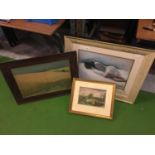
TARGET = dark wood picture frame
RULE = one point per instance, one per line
(8, 66)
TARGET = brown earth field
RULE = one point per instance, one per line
(42, 82)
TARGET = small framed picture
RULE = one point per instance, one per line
(42, 77)
(92, 98)
(125, 66)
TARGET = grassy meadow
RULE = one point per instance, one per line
(37, 82)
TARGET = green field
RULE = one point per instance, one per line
(53, 87)
(31, 84)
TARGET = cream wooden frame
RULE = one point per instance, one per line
(143, 59)
(106, 112)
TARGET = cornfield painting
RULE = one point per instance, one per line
(43, 78)
(92, 97)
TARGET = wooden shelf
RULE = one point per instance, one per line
(40, 28)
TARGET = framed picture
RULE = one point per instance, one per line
(125, 66)
(42, 77)
(92, 98)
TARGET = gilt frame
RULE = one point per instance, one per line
(101, 112)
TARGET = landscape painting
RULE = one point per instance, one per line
(43, 78)
(92, 97)
(101, 67)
